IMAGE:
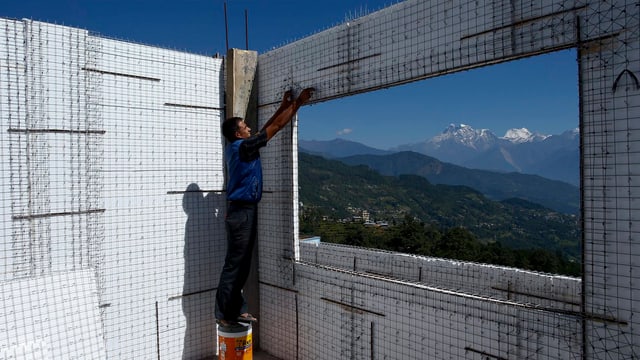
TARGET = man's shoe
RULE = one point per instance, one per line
(247, 318)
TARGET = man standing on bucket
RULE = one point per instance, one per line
(244, 191)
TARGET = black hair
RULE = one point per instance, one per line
(230, 127)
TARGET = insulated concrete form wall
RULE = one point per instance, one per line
(496, 282)
(111, 213)
(610, 98)
(112, 178)
(416, 40)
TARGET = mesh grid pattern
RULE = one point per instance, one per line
(112, 168)
(611, 110)
(112, 196)
(416, 40)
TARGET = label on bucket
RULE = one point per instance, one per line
(235, 346)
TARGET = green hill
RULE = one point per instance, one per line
(337, 191)
(557, 195)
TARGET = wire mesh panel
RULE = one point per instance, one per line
(112, 179)
(553, 291)
(416, 40)
(112, 201)
(610, 99)
(51, 171)
(347, 316)
(161, 111)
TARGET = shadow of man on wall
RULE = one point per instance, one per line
(204, 251)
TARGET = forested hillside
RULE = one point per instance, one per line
(415, 216)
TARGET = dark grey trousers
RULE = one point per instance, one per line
(241, 223)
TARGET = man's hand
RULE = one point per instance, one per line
(287, 98)
(286, 111)
(305, 95)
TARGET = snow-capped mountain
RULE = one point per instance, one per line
(482, 139)
(456, 144)
(522, 135)
(465, 135)
(554, 157)
(520, 150)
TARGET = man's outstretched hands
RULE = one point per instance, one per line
(305, 95)
(286, 111)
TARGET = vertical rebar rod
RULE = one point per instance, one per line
(226, 26)
(246, 28)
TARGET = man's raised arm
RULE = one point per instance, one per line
(287, 110)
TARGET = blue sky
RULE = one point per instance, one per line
(538, 93)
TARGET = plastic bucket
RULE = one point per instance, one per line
(235, 342)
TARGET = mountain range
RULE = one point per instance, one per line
(336, 190)
(554, 157)
(552, 194)
(464, 145)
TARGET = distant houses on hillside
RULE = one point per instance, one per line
(364, 217)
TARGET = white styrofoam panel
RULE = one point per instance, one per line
(494, 281)
(171, 241)
(59, 100)
(435, 317)
(410, 41)
(275, 239)
(6, 260)
(539, 26)
(610, 202)
(148, 239)
(186, 325)
(168, 142)
(174, 77)
(278, 316)
(11, 32)
(55, 315)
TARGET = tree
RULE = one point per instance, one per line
(410, 237)
(458, 243)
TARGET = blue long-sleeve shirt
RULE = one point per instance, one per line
(245, 169)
